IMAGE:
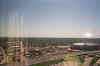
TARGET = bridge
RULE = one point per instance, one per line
(86, 52)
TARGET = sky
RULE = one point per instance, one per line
(50, 18)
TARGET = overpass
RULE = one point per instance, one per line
(87, 52)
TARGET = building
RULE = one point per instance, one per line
(86, 46)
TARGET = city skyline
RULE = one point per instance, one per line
(50, 18)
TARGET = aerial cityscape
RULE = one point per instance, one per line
(50, 51)
(49, 33)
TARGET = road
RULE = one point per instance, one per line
(28, 61)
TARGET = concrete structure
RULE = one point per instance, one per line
(15, 29)
(86, 46)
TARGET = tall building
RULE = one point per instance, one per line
(15, 31)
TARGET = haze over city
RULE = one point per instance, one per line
(50, 18)
(49, 32)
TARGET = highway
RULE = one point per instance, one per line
(85, 52)
(29, 61)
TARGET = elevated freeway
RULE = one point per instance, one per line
(85, 52)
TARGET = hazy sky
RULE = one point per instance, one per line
(49, 18)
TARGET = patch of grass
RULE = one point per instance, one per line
(49, 62)
(72, 58)
(75, 59)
